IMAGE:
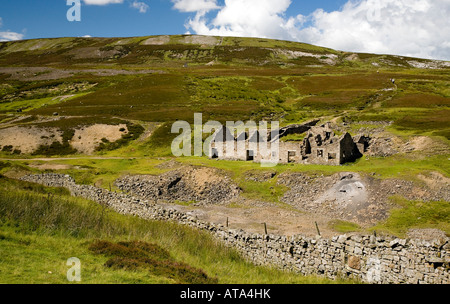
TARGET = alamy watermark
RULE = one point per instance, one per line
(235, 140)
(74, 273)
(74, 13)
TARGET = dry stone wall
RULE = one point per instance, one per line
(377, 260)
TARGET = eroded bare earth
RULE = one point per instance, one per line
(28, 139)
(87, 139)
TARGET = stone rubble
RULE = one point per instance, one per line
(200, 185)
(305, 192)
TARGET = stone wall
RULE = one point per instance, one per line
(378, 260)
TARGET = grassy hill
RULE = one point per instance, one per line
(53, 90)
(167, 78)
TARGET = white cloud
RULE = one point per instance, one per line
(254, 18)
(102, 2)
(418, 28)
(190, 6)
(8, 35)
(141, 6)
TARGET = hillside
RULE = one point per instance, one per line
(101, 111)
(166, 78)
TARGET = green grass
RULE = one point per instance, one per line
(294, 137)
(266, 191)
(33, 258)
(411, 214)
(27, 96)
(344, 227)
(103, 172)
(11, 107)
(39, 232)
(385, 167)
(138, 255)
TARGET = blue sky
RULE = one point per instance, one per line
(45, 19)
(418, 28)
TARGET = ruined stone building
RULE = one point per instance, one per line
(319, 146)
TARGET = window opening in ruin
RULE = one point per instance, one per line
(308, 147)
(291, 156)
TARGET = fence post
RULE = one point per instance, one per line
(317, 227)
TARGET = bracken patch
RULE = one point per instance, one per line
(140, 255)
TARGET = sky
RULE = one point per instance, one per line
(417, 28)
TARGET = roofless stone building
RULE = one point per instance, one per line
(320, 145)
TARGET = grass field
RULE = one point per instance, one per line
(410, 214)
(45, 222)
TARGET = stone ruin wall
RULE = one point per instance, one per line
(377, 260)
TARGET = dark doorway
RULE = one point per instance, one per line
(214, 153)
(250, 155)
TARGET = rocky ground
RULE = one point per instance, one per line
(352, 197)
(348, 196)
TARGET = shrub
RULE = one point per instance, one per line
(56, 148)
(8, 148)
